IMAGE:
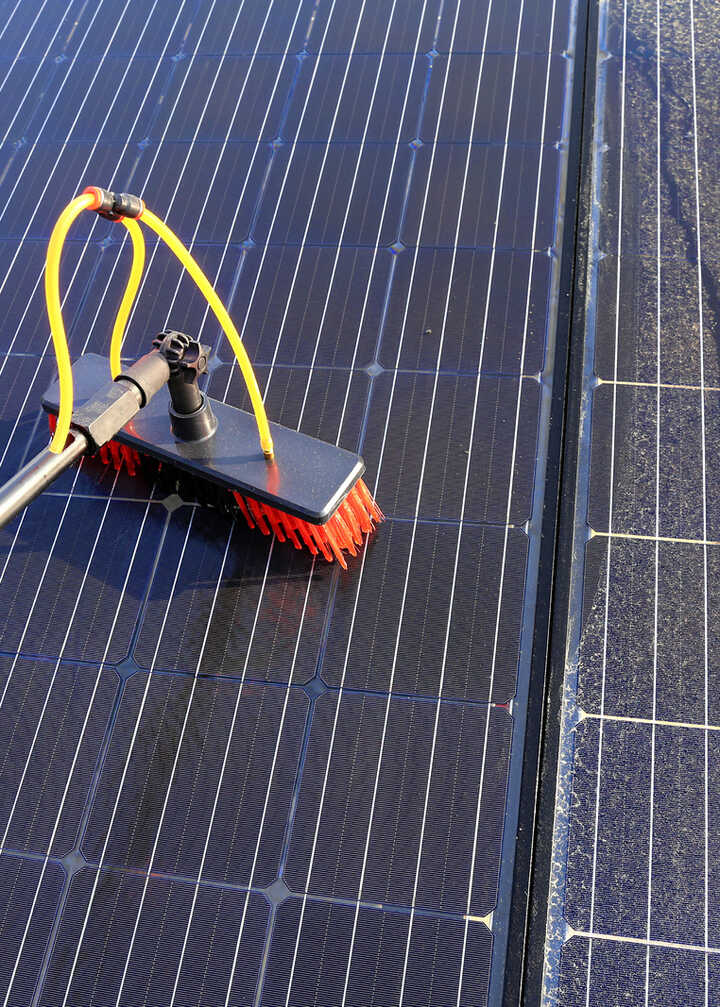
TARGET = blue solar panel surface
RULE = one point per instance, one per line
(233, 774)
(634, 905)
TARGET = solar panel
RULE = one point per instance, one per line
(632, 909)
(234, 774)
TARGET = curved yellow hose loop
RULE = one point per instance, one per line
(176, 246)
(57, 328)
(136, 271)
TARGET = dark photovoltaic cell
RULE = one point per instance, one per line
(169, 177)
(621, 891)
(26, 329)
(169, 297)
(59, 119)
(29, 35)
(69, 594)
(328, 204)
(246, 28)
(682, 428)
(21, 881)
(329, 317)
(239, 84)
(637, 358)
(79, 701)
(422, 966)
(23, 77)
(24, 379)
(385, 873)
(369, 638)
(404, 403)
(329, 404)
(254, 778)
(395, 119)
(411, 28)
(132, 31)
(265, 619)
(490, 119)
(220, 916)
(33, 176)
(252, 765)
(504, 338)
(679, 239)
(439, 223)
(500, 22)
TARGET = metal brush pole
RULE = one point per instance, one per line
(37, 475)
(95, 423)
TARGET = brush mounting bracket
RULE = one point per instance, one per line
(191, 416)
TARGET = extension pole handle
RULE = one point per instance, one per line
(37, 475)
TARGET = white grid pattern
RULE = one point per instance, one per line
(160, 637)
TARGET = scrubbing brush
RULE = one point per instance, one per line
(154, 417)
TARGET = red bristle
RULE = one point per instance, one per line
(302, 528)
(321, 540)
(270, 514)
(115, 454)
(288, 523)
(329, 532)
(128, 456)
(257, 513)
(342, 533)
(243, 509)
(351, 546)
(333, 535)
(368, 502)
(352, 522)
(333, 539)
(361, 515)
(334, 544)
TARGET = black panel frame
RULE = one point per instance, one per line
(531, 876)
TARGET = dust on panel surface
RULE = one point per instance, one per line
(634, 901)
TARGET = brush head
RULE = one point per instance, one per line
(311, 493)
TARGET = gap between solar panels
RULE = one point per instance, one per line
(281, 481)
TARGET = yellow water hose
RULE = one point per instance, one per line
(136, 271)
(206, 288)
(54, 309)
(92, 200)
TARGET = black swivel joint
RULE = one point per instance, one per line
(191, 417)
(114, 205)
